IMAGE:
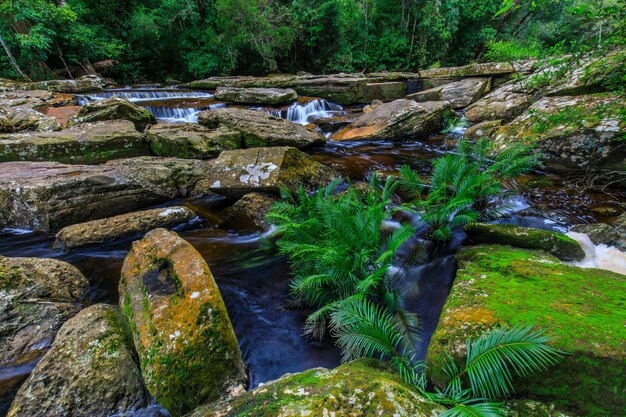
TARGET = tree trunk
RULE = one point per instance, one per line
(13, 62)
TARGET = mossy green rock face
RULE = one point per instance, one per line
(89, 371)
(397, 120)
(235, 173)
(582, 310)
(187, 348)
(555, 243)
(572, 133)
(357, 389)
(191, 140)
(260, 129)
(89, 143)
(37, 295)
(114, 108)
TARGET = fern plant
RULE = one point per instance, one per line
(464, 186)
(338, 250)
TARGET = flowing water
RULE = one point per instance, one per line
(254, 281)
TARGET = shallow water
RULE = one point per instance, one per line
(254, 281)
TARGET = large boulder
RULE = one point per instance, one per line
(121, 227)
(586, 76)
(400, 119)
(459, 94)
(504, 103)
(555, 243)
(482, 130)
(89, 143)
(85, 84)
(16, 119)
(235, 173)
(581, 309)
(89, 371)
(471, 70)
(252, 208)
(113, 108)
(572, 133)
(261, 129)
(361, 388)
(37, 295)
(385, 91)
(191, 140)
(268, 96)
(186, 344)
(49, 195)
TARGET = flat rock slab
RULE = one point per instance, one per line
(122, 226)
(397, 120)
(86, 84)
(191, 140)
(89, 371)
(89, 143)
(471, 70)
(459, 94)
(49, 195)
(37, 295)
(268, 96)
(260, 129)
(235, 173)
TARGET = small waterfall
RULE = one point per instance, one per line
(137, 96)
(180, 115)
(599, 256)
(306, 113)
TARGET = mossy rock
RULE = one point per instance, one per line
(191, 140)
(90, 370)
(187, 348)
(582, 310)
(357, 389)
(114, 108)
(555, 243)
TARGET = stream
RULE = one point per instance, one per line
(254, 281)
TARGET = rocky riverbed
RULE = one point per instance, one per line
(135, 274)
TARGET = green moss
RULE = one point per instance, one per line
(557, 244)
(582, 309)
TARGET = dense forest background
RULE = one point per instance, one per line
(160, 40)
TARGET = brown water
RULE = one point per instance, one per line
(254, 281)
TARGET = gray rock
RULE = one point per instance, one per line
(85, 84)
(482, 130)
(122, 226)
(260, 129)
(252, 207)
(191, 140)
(16, 119)
(89, 371)
(268, 96)
(459, 94)
(113, 108)
(88, 143)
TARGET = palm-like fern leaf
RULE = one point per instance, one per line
(496, 356)
(477, 409)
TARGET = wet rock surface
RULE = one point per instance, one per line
(252, 208)
(113, 108)
(459, 94)
(256, 95)
(90, 370)
(261, 129)
(16, 119)
(399, 119)
(122, 226)
(88, 143)
(190, 140)
(188, 351)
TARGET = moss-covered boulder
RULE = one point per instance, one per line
(555, 243)
(113, 108)
(123, 226)
(17, 119)
(268, 96)
(357, 389)
(572, 133)
(191, 140)
(89, 371)
(187, 348)
(37, 295)
(582, 310)
(235, 173)
(397, 120)
(89, 143)
(261, 129)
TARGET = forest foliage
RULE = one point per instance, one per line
(186, 39)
